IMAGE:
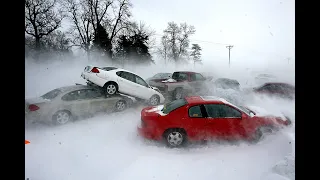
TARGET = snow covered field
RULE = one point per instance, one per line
(107, 147)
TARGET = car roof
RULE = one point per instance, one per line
(120, 69)
(279, 83)
(74, 88)
(188, 72)
(226, 79)
(205, 100)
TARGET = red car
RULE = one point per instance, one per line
(204, 118)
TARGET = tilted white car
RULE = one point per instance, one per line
(114, 80)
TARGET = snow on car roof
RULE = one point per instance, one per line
(212, 98)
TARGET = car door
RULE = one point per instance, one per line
(197, 123)
(145, 92)
(99, 102)
(77, 102)
(126, 83)
(223, 121)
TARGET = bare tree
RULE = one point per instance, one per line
(113, 15)
(121, 18)
(178, 39)
(41, 19)
(183, 38)
(164, 48)
(81, 29)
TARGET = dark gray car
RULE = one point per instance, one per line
(61, 105)
(226, 83)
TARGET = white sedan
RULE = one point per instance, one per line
(114, 80)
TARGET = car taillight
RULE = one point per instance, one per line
(33, 107)
(95, 70)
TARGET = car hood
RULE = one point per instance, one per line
(169, 80)
(264, 115)
(158, 79)
(155, 88)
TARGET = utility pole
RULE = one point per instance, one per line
(229, 47)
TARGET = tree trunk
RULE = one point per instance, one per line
(37, 43)
(88, 52)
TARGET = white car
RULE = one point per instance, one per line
(114, 80)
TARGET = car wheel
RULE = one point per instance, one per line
(154, 100)
(111, 88)
(61, 117)
(175, 138)
(178, 93)
(121, 105)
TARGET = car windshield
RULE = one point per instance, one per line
(245, 109)
(167, 108)
(52, 94)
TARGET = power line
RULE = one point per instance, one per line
(196, 40)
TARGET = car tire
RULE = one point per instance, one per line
(175, 138)
(178, 94)
(154, 100)
(111, 88)
(61, 117)
(121, 105)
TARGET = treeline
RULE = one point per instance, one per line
(102, 29)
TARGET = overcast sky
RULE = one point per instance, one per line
(260, 30)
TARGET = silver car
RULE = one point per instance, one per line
(61, 105)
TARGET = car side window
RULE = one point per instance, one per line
(140, 81)
(231, 112)
(94, 93)
(71, 96)
(126, 75)
(268, 87)
(193, 77)
(82, 94)
(180, 76)
(214, 110)
(199, 77)
(157, 76)
(221, 111)
(195, 112)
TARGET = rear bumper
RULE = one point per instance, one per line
(93, 78)
(149, 133)
(31, 117)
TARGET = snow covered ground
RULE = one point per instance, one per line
(107, 147)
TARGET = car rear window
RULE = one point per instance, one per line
(51, 94)
(167, 108)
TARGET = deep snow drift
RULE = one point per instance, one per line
(107, 146)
